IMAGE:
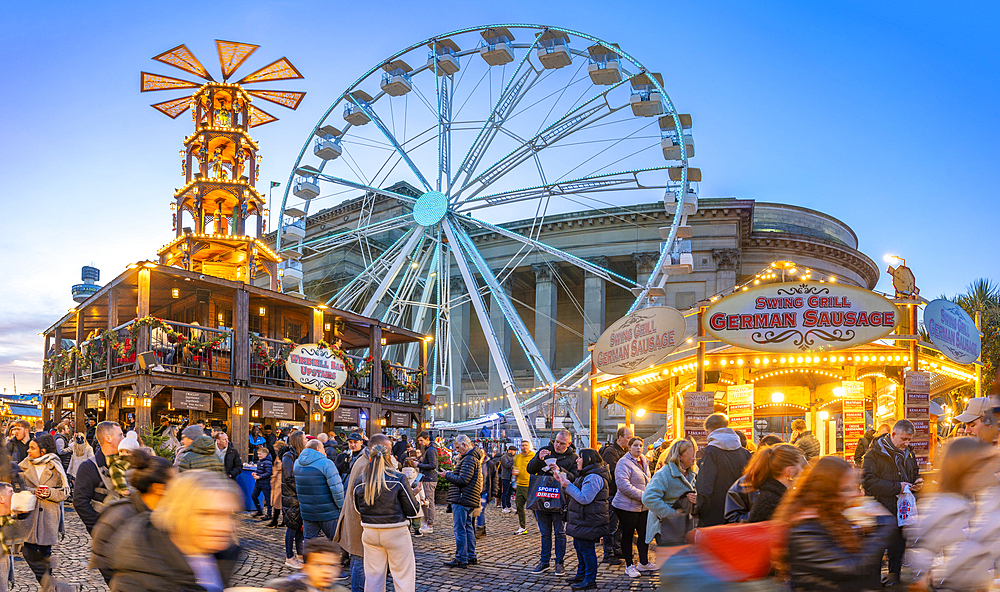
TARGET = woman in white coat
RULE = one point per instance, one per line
(631, 478)
(957, 538)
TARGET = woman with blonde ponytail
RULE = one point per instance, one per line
(386, 504)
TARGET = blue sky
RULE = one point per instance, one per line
(882, 114)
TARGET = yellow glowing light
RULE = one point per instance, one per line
(777, 397)
(640, 412)
(824, 415)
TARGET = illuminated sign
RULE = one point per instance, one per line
(801, 317)
(639, 340)
(315, 368)
(952, 331)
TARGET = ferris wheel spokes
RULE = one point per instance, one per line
(356, 185)
(339, 239)
(351, 291)
(366, 108)
(593, 183)
(512, 94)
(393, 271)
(496, 352)
(575, 120)
(608, 276)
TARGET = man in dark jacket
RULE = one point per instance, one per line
(230, 457)
(805, 440)
(345, 460)
(329, 447)
(612, 453)
(93, 488)
(427, 465)
(20, 436)
(721, 466)
(888, 468)
(269, 439)
(464, 491)
(320, 491)
(399, 449)
(506, 474)
(553, 524)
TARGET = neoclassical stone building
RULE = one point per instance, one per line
(565, 308)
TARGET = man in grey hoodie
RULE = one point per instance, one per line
(721, 466)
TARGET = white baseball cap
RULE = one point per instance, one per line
(974, 409)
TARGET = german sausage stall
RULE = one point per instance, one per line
(840, 357)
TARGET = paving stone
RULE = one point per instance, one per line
(505, 559)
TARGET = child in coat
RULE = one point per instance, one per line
(262, 482)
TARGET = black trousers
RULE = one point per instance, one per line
(897, 545)
(38, 558)
(633, 523)
(613, 540)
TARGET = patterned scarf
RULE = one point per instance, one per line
(5, 545)
(117, 466)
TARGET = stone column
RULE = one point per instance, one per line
(644, 263)
(546, 296)
(727, 266)
(503, 334)
(594, 291)
(459, 316)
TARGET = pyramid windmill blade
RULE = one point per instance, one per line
(285, 98)
(232, 54)
(259, 117)
(181, 57)
(277, 70)
(149, 82)
(174, 107)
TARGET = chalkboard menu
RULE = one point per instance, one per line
(345, 415)
(194, 400)
(278, 409)
(400, 420)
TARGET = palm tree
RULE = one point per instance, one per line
(983, 296)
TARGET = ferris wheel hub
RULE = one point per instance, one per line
(430, 208)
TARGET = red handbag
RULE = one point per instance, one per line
(741, 551)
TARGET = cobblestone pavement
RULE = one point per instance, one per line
(505, 559)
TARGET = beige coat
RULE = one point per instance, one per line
(349, 528)
(276, 485)
(43, 524)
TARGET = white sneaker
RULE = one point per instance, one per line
(647, 566)
(293, 563)
(506, 510)
(631, 571)
(427, 529)
(521, 531)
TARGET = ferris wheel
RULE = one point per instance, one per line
(465, 131)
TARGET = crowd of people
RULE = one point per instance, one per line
(352, 505)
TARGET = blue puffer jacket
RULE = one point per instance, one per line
(318, 487)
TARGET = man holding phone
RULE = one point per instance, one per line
(889, 468)
(554, 457)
